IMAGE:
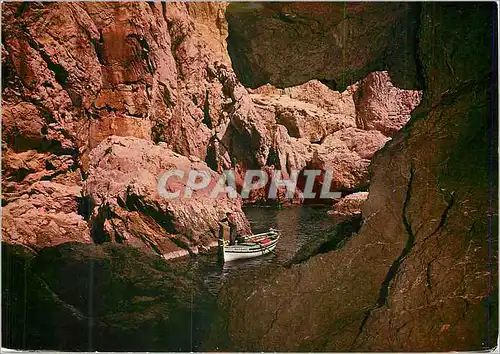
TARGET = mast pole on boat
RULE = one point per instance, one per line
(220, 244)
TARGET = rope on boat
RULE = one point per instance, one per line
(260, 246)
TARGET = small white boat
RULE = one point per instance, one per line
(253, 246)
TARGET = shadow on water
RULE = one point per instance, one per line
(111, 297)
(298, 225)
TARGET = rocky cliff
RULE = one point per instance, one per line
(421, 275)
(75, 74)
(100, 98)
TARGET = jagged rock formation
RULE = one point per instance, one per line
(122, 183)
(421, 274)
(350, 204)
(381, 106)
(311, 126)
(75, 74)
(44, 215)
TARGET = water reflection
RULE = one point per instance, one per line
(298, 225)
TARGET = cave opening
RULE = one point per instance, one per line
(319, 86)
(327, 97)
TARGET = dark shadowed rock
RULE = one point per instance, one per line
(420, 275)
(287, 43)
(330, 240)
(105, 298)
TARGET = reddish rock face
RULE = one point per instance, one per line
(381, 106)
(45, 215)
(350, 205)
(311, 126)
(122, 184)
(130, 61)
(77, 73)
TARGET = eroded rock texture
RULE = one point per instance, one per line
(46, 214)
(128, 208)
(311, 126)
(75, 74)
(99, 98)
(350, 204)
(289, 43)
(421, 274)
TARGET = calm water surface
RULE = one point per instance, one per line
(297, 224)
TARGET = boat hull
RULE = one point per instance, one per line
(248, 250)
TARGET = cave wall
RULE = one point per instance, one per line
(421, 274)
(287, 43)
(75, 74)
(417, 277)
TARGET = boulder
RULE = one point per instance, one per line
(381, 106)
(350, 204)
(45, 215)
(419, 276)
(22, 169)
(303, 119)
(364, 142)
(122, 184)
